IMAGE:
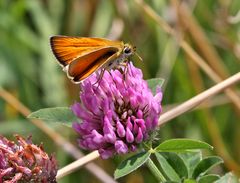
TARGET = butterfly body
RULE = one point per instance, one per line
(81, 56)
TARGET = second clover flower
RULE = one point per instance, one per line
(119, 114)
(25, 162)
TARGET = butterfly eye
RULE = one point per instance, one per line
(127, 50)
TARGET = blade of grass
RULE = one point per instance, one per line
(210, 122)
(217, 70)
(187, 48)
(201, 40)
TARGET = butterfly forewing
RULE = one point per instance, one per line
(67, 49)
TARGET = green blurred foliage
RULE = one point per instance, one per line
(30, 72)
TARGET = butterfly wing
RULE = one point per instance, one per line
(84, 66)
(67, 49)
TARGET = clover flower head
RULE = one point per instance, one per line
(118, 113)
(25, 162)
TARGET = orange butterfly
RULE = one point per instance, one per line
(81, 56)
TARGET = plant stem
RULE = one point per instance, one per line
(76, 164)
(155, 171)
(198, 99)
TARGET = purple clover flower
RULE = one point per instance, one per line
(25, 162)
(118, 113)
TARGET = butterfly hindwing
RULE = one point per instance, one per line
(84, 66)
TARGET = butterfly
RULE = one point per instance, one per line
(82, 56)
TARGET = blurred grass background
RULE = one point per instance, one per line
(29, 71)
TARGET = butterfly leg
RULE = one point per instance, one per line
(126, 68)
(125, 65)
(100, 77)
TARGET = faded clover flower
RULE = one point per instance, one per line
(118, 113)
(25, 162)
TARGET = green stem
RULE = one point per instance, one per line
(153, 168)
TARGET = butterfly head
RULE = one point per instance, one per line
(128, 50)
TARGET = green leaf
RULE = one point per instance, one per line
(177, 163)
(16, 126)
(189, 181)
(205, 165)
(155, 171)
(208, 178)
(131, 164)
(62, 115)
(229, 177)
(154, 82)
(182, 145)
(191, 159)
(167, 169)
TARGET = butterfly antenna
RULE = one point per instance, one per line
(140, 58)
